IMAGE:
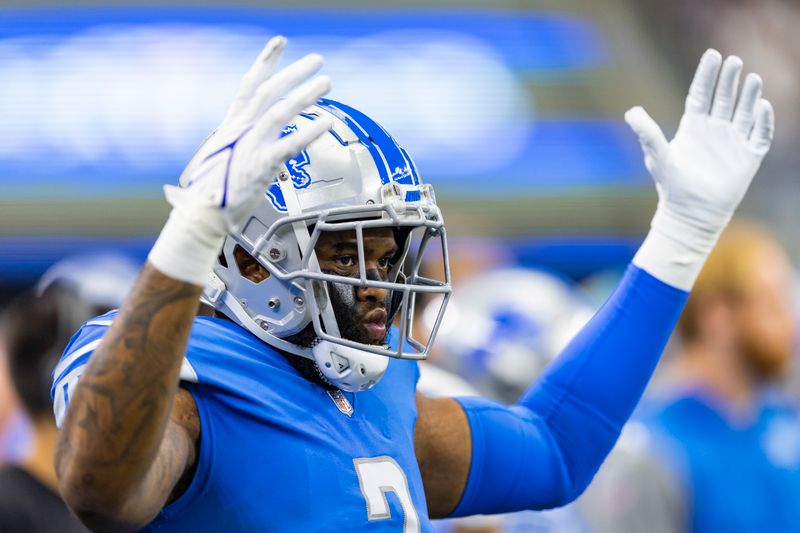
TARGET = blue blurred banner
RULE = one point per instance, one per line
(24, 259)
(100, 106)
(111, 102)
(525, 40)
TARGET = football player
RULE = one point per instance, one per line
(294, 407)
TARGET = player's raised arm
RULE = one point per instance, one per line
(545, 450)
(119, 456)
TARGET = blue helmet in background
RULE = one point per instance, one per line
(504, 326)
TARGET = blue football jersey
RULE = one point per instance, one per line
(277, 452)
(739, 478)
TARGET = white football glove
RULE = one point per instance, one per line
(231, 171)
(703, 173)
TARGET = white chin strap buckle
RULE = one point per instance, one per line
(349, 369)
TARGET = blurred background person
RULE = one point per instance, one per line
(34, 330)
(15, 431)
(717, 445)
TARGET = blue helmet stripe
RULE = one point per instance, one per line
(392, 161)
(414, 175)
(400, 167)
(380, 163)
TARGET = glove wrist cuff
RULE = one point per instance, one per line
(186, 251)
(675, 250)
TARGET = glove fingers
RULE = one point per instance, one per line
(292, 144)
(761, 137)
(273, 121)
(262, 67)
(705, 78)
(744, 115)
(725, 95)
(650, 135)
(284, 81)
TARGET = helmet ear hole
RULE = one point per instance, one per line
(248, 266)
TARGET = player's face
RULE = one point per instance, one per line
(764, 318)
(361, 312)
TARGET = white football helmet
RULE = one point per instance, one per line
(101, 280)
(354, 177)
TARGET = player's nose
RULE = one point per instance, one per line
(370, 293)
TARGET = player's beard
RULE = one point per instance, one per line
(348, 318)
(766, 361)
(350, 313)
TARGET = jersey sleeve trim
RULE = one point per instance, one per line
(106, 322)
(188, 373)
(72, 364)
(77, 354)
(68, 363)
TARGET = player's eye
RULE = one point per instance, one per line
(345, 261)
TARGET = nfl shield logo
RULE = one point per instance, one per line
(341, 402)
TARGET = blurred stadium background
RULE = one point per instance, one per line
(512, 109)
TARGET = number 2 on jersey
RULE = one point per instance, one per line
(376, 477)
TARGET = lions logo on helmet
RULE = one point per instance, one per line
(296, 166)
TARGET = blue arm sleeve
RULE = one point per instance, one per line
(544, 451)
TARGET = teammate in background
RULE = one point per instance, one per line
(285, 412)
(503, 327)
(15, 431)
(34, 330)
(720, 447)
(100, 279)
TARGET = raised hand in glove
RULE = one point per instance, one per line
(703, 173)
(231, 171)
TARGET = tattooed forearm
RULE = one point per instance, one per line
(115, 425)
